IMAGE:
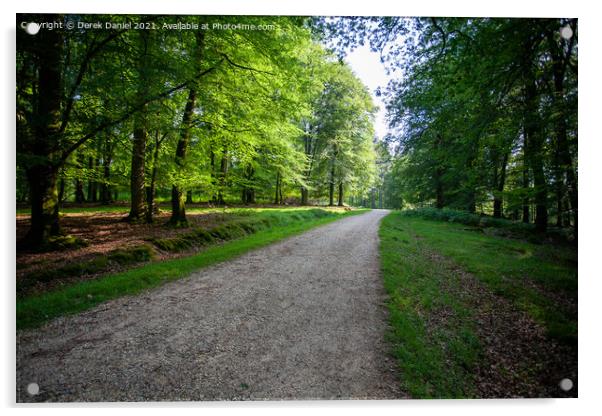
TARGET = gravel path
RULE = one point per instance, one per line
(301, 319)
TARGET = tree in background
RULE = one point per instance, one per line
(479, 104)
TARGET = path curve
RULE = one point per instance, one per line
(300, 319)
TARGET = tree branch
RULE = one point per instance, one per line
(80, 76)
(242, 66)
(130, 113)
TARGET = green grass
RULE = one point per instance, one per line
(34, 310)
(437, 357)
(435, 361)
(505, 265)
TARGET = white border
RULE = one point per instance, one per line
(590, 111)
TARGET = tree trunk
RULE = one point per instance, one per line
(304, 196)
(439, 197)
(331, 186)
(277, 193)
(534, 141)
(498, 207)
(137, 185)
(61, 195)
(80, 197)
(150, 191)
(280, 191)
(91, 182)
(42, 174)
(137, 180)
(248, 192)
(44, 204)
(105, 189)
(439, 202)
(178, 199)
(178, 207)
(340, 194)
(222, 177)
(526, 184)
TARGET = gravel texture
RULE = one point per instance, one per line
(301, 319)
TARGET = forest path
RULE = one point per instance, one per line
(300, 319)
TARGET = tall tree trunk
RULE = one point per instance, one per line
(137, 180)
(105, 188)
(526, 184)
(248, 192)
(178, 207)
(534, 140)
(42, 174)
(44, 204)
(310, 151)
(150, 191)
(439, 196)
(61, 191)
(178, 198)
(277, 193)
(223, 174)
(439, 201)
(91, 182)
(80, 197)
(340, 194)
(304, 196)
(331, 187)
(213, 176)
(500, 182)
(558, 187)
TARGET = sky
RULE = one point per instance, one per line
(367, 66)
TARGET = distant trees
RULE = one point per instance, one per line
(339, 137)
(161, 114)
(484, 114)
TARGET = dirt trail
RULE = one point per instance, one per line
(301, 319)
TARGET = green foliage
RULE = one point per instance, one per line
(125, 97)
(483, 113)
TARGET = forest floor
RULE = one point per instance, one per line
(103, 231)
(304, 318)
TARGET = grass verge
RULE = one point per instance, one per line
(35, 310)
(433, 332)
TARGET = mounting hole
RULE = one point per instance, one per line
(33, 389)
(566, 384)
(32, 28)
(566, 32)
